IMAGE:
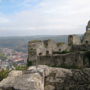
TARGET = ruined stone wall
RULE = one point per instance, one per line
(63, 47)
(36, 46)
(74, 40)
(86, 38)
(64, 60)
(50, 46)
(42, 47)
(80, 48)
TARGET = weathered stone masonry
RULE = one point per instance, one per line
(44, 51)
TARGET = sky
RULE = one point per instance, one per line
(43, 17)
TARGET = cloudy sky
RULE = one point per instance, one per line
(43, 17)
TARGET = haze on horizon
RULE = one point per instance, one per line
(43, 17)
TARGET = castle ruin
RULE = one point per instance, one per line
(49, 52)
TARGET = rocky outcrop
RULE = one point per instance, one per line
(18, 80)
(47, 78)
(65, 79)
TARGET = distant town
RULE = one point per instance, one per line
(9, 58)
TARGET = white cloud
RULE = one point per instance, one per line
(3, 20)
(50, 17)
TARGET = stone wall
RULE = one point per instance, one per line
(36, 47)
(86, 38)
(42, 47)
(74, 40)
(77, 59)
(63, 47)
(50, 46)
(80, 48)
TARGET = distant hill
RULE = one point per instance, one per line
(20, 43)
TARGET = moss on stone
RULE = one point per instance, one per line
(60, 43)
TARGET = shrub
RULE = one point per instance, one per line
(21, 68)
(3, 74)
(29, 63)
(2, 56)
